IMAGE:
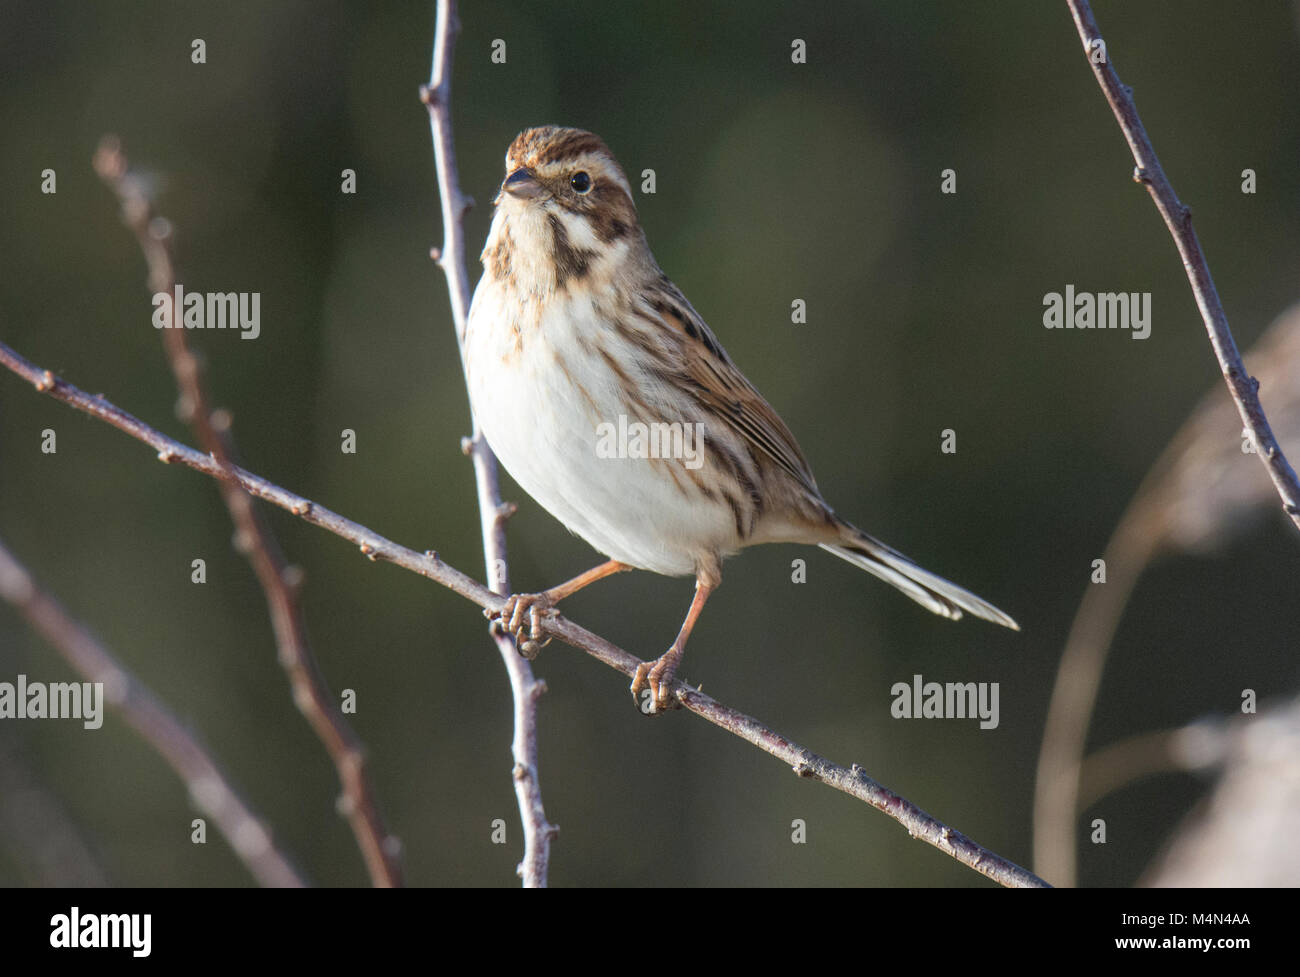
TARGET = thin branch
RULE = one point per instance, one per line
(1178, 218)
(281, 583)
(525, 688)
(209, 791)
(1194, 748)
(1195, 495)
(804, 762)
(1074, 695)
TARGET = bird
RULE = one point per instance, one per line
(611, 403)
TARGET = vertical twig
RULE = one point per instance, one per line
(208, 788)
(524, 686)
(280, 582)
(1178, 218)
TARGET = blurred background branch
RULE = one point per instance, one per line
(294, 162)
(804, 762)
(1246, 833)
(208, 788)
(1202, 491)
(280, 582)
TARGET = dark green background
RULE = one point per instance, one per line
(775, 181)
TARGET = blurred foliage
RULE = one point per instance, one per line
(775, 181)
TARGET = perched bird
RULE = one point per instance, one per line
(575, 338)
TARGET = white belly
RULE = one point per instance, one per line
(548, 435)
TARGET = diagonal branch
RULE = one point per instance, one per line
(281, 583)
(524, 687)
(805, 763)
(1178, 218)
(209, 790)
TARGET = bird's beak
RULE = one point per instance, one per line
(522, 183)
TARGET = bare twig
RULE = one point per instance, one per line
(1074, 695)
(804, 762)
(280, 582)
(208, 788)
(1197, 494)
(1178, 218)
(1194, 748)
(524, 687)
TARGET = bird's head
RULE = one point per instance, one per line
(564, 199)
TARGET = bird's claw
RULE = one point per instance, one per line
(521, 617)
(657, 678)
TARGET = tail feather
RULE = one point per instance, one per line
(931, 591)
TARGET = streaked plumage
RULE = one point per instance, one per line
(574, 324)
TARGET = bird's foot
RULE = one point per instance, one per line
(521, 616)
(657, 677)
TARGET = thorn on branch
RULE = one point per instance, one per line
(435, 254)
(1140, 175)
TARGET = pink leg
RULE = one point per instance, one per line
(658, 675)
(519, 607)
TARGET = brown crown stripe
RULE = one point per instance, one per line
(550, 144)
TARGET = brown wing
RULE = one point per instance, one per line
(720, 386)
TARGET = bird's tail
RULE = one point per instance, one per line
(927, 589)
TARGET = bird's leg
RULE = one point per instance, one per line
(658, 675)
(522, 610)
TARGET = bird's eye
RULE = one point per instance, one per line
(580, 181)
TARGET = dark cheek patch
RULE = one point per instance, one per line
(610, 211)
(570, 262)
